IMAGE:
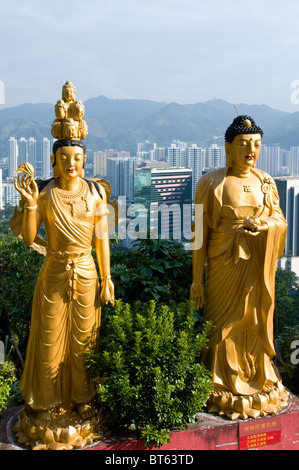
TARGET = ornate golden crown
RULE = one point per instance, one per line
(69, 123)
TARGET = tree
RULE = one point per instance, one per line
(19, 267)
(287, 325)
(153, 269)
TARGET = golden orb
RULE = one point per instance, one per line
(247, 123)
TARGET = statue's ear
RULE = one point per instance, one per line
(82, 171)
(55, 171)
(228, 153)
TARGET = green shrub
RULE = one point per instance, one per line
(148, 373)
(7, 379)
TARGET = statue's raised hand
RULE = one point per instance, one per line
(27, 186)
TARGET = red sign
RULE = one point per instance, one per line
(259, 433)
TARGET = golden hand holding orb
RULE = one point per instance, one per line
(27, 187)
(243, 236)
(66, 313)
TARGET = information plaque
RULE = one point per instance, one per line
(259, 433)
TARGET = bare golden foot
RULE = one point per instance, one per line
(87, 410)
(43, 418)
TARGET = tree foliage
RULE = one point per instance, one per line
(153, 269)
(19, 267)
(286, 326)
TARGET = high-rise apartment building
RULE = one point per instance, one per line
(270, 160)
(10, 194)
(195, 160)
(294, 161)
(175, 155)
(1, 192)
(126, 177)
(100, 163)
(32, 151)
(46, 158)
(145, 146)
(13, 157)
(120, 174)
(214, 157)
(23, 150)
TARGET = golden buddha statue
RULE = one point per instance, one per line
(66, 312)
(243, 236)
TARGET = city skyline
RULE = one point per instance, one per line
(169, 50)
(129, 180)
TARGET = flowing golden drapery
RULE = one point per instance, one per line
(240, 287)
(65, 313)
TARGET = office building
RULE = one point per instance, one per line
(165, 197)
(288, 190)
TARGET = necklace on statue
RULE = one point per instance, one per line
(73, 199)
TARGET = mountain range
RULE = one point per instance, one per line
(122, 123)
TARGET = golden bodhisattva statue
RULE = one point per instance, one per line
(243, 236)
(59, 411)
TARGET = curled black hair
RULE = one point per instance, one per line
(242, 125)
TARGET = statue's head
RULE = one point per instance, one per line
(243, 141)
(70, 129)
(77, 110)
(68, 155)
(68, 92)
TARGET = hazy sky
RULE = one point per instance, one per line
(165, 50)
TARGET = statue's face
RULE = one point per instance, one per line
(69, 162)
(80, 112)
(71, 131)
(69, 93)
(244, 150)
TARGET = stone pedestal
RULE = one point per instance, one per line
(210, 432)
